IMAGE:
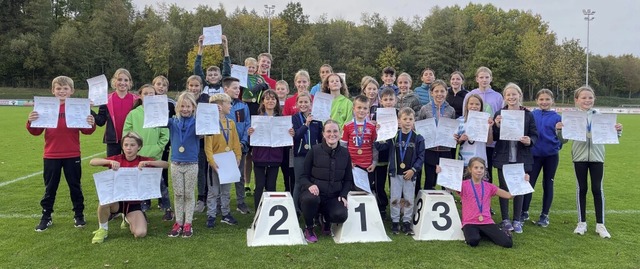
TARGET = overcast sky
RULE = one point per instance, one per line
(615, 30)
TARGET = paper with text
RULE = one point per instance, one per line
(207, 119)
(271, 131)
(128, 184)
(477, 127)
(451, 172)
(156, 111)
(603, 129)
(48, 109)
(388, 121)
(228, 171)
(427, 128)
(514, 176)
(361, 179)
(212, 35)
(574, 125)
(445, 131)
(512, 125)
(76, 112)
(321, 108)
(241, 73)
(98, 90)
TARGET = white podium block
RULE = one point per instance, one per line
(275, 223)
(436, 217)
(364, 223)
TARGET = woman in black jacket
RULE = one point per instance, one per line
(325, 182)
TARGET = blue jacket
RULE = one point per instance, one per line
(424, 93)
(315, 134)
(212, 88)
(240, 115)
(548, 143)
(316, 88)
(417, 159)
(185, 128)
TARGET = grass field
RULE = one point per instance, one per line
(63, 246)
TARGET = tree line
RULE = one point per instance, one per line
(40, 39)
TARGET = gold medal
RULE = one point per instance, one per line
(181, 149)
(359, 152)
(589, 135)
(480, 218)
(306, 146)
(253, 100)
(227, 149)
(402, 165)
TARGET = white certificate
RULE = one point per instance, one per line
(207, 119)
(128, 184)
(321, 108)
(514, 176)
(603, 129)
(344, 77)
(445, 131)
(76, 111)
(574, 125)
(212, 35)
(361, 179)
(388, 121)
(271, 131)
(451, 172)
(427, 128)
(512, 125)
(476, 128)
(48, 109)
(241, 73)
(228, 171)
(156, 111)
(98, 90)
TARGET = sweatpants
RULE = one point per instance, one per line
(548, 165)
(596, 170)
(239, 186)
(400, 187)
(72, 173)
(217, 192)
(381, 183)
(504, 203)
(490, 163)
(265, 177)
(184, 178)
(333, 210)
(474, 232)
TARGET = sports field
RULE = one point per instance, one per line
(63, 246)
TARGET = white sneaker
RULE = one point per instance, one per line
(199, 206)
(602, 231)
(581, 228)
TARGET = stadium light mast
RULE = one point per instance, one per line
(589, 17)
(269, 10)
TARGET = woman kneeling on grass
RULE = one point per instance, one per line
(131, 144)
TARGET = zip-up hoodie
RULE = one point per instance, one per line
(586, 151)
(548, 143)
(409, 99)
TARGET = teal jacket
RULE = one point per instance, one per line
(153, 139)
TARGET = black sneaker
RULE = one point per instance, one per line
(406, 228)
(79, 222)
(228, 219)
(168, 215)
(395, 228)
(44, 224)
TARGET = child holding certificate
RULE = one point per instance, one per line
(476, 196)
(468, 148)
(161, 85)
(359, 135)
(509, 152)
(341, 107)
(588, 158)
(226, 141)
(387, 100)
(308, 132)
(267, 160)
(132, 210)
(184, 163)
(545, 154)
(61, 152)
(406, 153)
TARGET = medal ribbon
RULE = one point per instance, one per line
(433, 110)
(359, 138)
(225, 134)
(306, 138)
(475, 194)
(183, 129)
(404, 145)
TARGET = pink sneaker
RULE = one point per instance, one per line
(310, 236)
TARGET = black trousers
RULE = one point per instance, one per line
(473, 233)
(504, 203)
(548, 165)
(432, 158)
(381, 182)
(287, 172)
(332, 209)
(596, 170)
(113, 149)
(72, 172)
(265, 177)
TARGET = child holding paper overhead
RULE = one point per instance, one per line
(476, 196)
(589, 158)
(406, 153)
(132, 210)
(213, 79)
(508, 152)
(545, 154)
(156, 139)
(226, 141)
(267, 159)
(184, 163)
(61, 152)
(341, 107)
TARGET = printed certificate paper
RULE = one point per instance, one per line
(451, 172)
(514, 176)
(48, 109)
(128, 184)
(512, 125)
(321, 109)
(212, 35)
(388, 121)
(156, 111)
(361, 179)
(574, 125)
(603, 129)
(76, 112)
(98, 90)
(269, 131)
(207, 119)
(477, 128)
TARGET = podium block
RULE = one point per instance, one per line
(275, 223)
(364, 223)
(436, 217)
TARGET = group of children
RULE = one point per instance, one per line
(401, 158)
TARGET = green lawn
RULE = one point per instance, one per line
(63, 246)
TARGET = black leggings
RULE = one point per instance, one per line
(504, 203)
(287, 172)
(432, 158)
(265, 177)
(548, 165)
(596, 170)
(333, 210)
(381, 182)
(474, 232)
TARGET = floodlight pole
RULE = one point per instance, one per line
(589, 17)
